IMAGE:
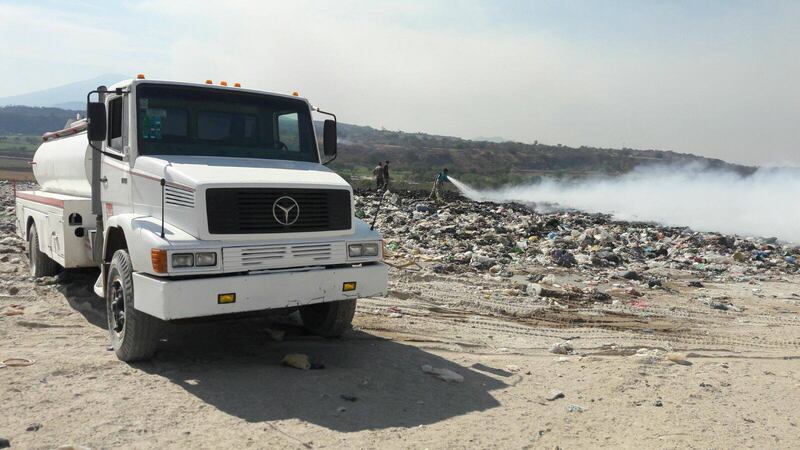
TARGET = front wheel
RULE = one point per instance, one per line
(134, 334)
(329, 319)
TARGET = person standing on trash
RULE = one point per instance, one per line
(386, 175)
(377, 172)
(438, 185)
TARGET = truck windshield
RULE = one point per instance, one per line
(184, 120)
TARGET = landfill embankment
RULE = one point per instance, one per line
(503, 328)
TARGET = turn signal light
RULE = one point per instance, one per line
(296, 94)
(348, 286)
(226, 298)
(140, 76)
(223, 83)
(237, 84)
(158, 258)
(209, 82)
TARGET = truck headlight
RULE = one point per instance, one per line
(355, 250)
(371, 249)
(205, 259)
(182, 260)
(365, 249)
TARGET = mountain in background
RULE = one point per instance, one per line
(68, 96)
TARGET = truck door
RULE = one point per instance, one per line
(115, 171)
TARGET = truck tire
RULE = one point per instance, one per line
(134, 334)
(40, 264)
(329, 319)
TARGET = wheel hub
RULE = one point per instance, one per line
(117, 307)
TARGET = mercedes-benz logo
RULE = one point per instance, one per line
(285, 210)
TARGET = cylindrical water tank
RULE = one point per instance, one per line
(64, 166)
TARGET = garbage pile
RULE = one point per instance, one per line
(502, 239)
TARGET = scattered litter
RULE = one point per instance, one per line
(276, 335)
(648, 356)
(18, 362)
(574, 408)
(443, 374)
(555, 394)
(297, 360)
(349, 398)
(678, 358)
(34, 427)
(561, 348)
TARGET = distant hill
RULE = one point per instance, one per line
(416, 157)
(33, 120)
(68, 96)
(419, 156)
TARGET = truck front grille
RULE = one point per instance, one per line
(253, 210)
(271, 256)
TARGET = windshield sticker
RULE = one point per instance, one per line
(151, 127)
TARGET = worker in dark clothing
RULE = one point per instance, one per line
(438, 185)
(386, 175)
(377, 172)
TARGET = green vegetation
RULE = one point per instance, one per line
(19, 145)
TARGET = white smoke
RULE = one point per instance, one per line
(764, 204)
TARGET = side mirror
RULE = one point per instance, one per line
(329, 138)
(96, 113)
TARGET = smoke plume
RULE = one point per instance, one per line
(764, 204)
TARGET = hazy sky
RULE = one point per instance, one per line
(717, 78)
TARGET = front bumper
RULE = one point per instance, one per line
(180, 299)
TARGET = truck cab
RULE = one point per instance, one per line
(207, 200)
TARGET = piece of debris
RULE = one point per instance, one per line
(18, 362)
(695, 283)
(34, 427)
(297, 360)
(555, 394)
(5, 443)
(276, 335)
(574, 408)
(561, 348)
(347, 397)
(678, 358)
(443, 374)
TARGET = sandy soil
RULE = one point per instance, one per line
(221, 385)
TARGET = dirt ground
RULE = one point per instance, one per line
(221, 384)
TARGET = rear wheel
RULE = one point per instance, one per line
(40, 264)
(134, 334)
(329, 319)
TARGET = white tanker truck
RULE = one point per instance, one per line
(199, 200)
